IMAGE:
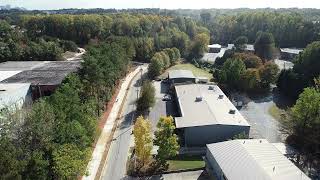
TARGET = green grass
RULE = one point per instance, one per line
(186, 162)
(196, 71)
(275, 112)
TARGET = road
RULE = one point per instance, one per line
(115, 167)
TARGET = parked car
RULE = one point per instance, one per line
(166, 97)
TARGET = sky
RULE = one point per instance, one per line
(164, 4)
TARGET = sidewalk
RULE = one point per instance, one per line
(107, 131)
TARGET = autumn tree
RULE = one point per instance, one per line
(166, 140)
(199, 46)
(268, 74)
(143, 140)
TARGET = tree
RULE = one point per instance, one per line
(147, 96)
(155, 67)
(199, 46)
(240, 43)
(70, 162)
(231, 72)
(292, 82)
(166, 140)
(205, 17)
(264, 46)
(250, 60)
(142, 140)
(268, 74)
(303, 124)
(250, 80)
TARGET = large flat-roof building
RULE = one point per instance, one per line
(207, 115)
(43, 76)
(181, 76)
(249, 159)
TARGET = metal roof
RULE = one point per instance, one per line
(210, 110)
(45, 73)
(250, 47)
(252, 159)
(6, 74)
(13, 94)
(291, 50)
(218, 46)
(174, 74)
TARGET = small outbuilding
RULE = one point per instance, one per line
(249, 159)
(181, 76)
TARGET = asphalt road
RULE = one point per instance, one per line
(115, 167)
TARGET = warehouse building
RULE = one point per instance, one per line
(43, 76)
(181, 76)
(249, 159)
(15, 95)
(206, 115)
(214, 48)
(289, 53)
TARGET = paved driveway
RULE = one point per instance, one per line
(263, 125)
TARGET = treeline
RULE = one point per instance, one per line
(15, 45)
(150, 33)
(288, 29)
(53, 140)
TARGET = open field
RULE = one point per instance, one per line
(196, 71)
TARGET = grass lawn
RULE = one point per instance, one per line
(275, 112)
(186, 162)
(196, 71)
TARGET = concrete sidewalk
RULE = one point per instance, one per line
(98, 153)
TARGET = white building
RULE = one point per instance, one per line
(206, 115)
(15, 95)
(250, 159)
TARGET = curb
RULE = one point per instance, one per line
(107, 147)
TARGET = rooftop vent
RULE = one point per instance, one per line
(232, 111)
(211, 88)
(220, 96)
(198, 99)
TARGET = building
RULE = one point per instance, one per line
(289, 53)
(15, 95)
(181, 76)
(249, 159)
(206, 115)
(249, 48)
(214, 48)
(43, 76)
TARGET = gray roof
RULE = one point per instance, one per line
(44, 73)
(291, 50)
(251, 159)
(174, 74)
(211, 110)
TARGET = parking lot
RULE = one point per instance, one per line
(161, 107)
